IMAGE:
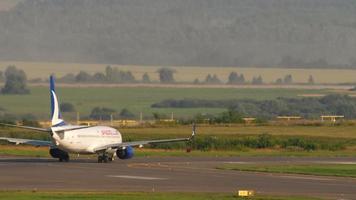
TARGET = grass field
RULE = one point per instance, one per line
(344, 170)
(344, 131)
(188, 74)
(24, 195)
(337, 132)
(135, 99)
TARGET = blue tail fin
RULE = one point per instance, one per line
(55, 110)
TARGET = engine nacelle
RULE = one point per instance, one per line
(57, 153)
(126, 153)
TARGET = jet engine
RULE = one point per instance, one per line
(60, 154)
(126, 153)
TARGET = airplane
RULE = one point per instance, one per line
(106, 142)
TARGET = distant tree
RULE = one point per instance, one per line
(67, 107)
(196, 81)
(29, 117)
(257, 80)
(233, 78)
(83, 76)
(146, 78)
(33, 123)
(2, 76)
(114, 75)
(212, 79)
(311, 80)
(99, 77)
(125, 113)
(166, 75)
(158, 116)
(216, 79)
(126, 77)
(8, 118)
(242, 79)
(279, 81)
(30, 120)
(16, 81)
(68, 78)
(288, 79)
(109, 73)
(99, 113)
(208, 78)
(230, 116)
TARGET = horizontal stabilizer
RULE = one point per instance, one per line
(27, 127)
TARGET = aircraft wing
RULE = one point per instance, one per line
(123, 145)
(27, 127)
(36, 143)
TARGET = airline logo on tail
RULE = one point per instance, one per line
(55, 111)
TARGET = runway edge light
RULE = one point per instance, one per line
(245, 193)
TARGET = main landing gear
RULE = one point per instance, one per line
(60, 154)
(104, 158)
(64, 159)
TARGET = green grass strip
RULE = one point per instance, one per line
(343, 170)
(24, 195)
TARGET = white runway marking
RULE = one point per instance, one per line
(337, 162)
(239, 162)
(136, 177)
(305, 177)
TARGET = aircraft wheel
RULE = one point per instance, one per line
(100, 159)
(66, 159)
(105, 159)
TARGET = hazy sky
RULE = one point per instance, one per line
(248, 33)
(6, 4)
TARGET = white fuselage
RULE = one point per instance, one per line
(83, 140)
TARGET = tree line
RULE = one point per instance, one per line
(100, 113)
(236, 110)
(16, 78)
(239, 79)
(166, 76)
(115, 75)
(310, 108)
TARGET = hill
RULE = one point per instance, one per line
(286, 33)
